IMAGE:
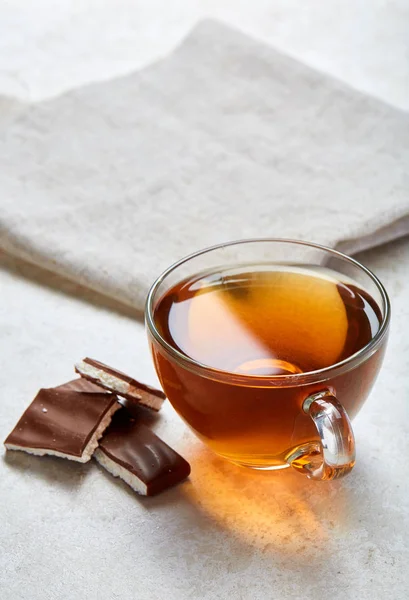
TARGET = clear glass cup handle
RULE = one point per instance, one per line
(334, 456)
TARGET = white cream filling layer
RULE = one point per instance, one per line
(119, 471)
(109, 381)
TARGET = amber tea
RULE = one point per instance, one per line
(262, 323)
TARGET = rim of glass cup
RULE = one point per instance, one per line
(278, 380)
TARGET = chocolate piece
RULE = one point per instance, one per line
(64, 422)
(119, 383)
(131, 451)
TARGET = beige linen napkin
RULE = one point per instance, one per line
(224, 139)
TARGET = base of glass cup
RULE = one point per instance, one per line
(255, 465)
(262, 468)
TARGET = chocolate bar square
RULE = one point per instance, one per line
(65, 421)
(131, 451)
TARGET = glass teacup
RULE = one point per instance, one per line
(267, 348)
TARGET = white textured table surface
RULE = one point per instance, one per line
(69, 531)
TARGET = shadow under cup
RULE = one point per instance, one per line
(273, 421)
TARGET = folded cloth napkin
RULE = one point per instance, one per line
(224, 139)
